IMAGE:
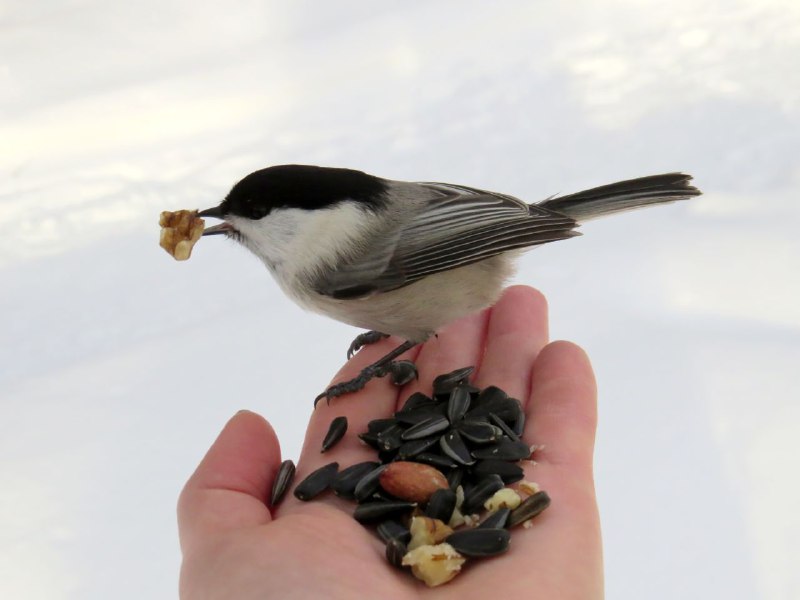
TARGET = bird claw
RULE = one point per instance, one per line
(364, 339)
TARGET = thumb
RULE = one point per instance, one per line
(230, 487)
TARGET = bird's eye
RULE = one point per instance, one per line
(258, 211)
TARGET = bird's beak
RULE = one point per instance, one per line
(216, 213)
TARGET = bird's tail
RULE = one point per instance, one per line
(623, 195)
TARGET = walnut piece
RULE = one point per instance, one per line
(180, 231)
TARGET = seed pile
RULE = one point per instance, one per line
(443, 461)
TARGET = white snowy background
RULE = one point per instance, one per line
(118, 366)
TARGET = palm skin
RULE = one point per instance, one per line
(234, 546)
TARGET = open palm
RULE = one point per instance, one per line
(235, 547)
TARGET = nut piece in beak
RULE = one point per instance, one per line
(180, 231)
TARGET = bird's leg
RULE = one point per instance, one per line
(379, 368)
(363, 339)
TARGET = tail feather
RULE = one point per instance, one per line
(623, 195)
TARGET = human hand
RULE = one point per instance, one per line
(235, 547)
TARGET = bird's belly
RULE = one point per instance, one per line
(416, 311)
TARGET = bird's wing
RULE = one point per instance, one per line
(457, 226)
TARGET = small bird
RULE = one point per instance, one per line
(403, 258)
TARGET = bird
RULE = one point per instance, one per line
(403, 258)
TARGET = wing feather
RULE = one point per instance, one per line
(457, 226)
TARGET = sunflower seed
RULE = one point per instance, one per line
(426, 428)
(345, 483)
(529, 508)
(478, 432)
(336, 432)
(490, 394)
(519, 424)
(479, 542)
(417, 400)
(504, 449)
(390, 438)
(414, 447)
(454, 478)
(370, 439)
(395, 551)
(454, 447)
(368, 484)
(496, 520)
(382, 509)
(390, 529)
(441, 505)
(416, 416)
(480, 493)
(509, 472)
(444, 384)
(283, 479)
(377, 425)
(402, 372)
(503, 427)
(317, 482)
(458, 403)
(435, 460)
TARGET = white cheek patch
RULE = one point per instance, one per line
(295, 242)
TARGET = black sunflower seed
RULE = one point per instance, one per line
(478, 432)
(413, 447)
(504, 427)
(317, 482)
(504, 449)
(509, 472)
(336, 432)
(370, 439)
(479, 542)
(444, 383)
(417, 415)
(458, 403)
(435, 460)
(496, 520)
(390, 529)
(344, 484)
(381, 509)
(426, 428)
(377, 425)
(390, 438)
(395, 551)
(441, 505)
(489, 394)
(480, 493)
(454, 478)
(368, 484)
(529, 508)
(283, 479)
(417, 400)
(519, 425)
(454, 447)
(402, 372)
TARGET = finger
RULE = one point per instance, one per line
(231, 485)
(516, 333)
(562, 417)
(562, 408)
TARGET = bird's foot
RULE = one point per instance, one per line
(353, 385)
(401, 372)
(364, 339)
